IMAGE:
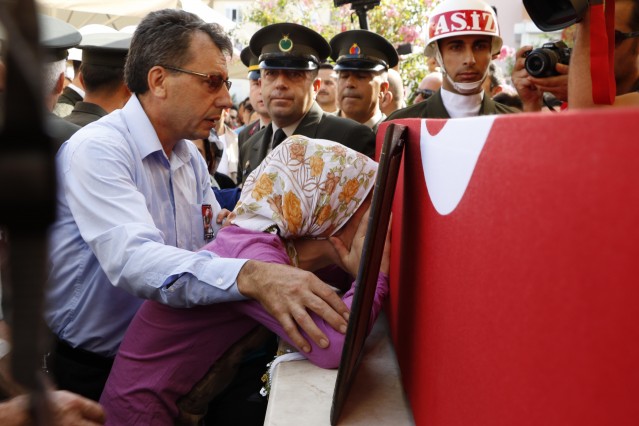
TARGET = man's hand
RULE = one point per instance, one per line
(287, 293)
(530, 95)
(69, 409)
(351, 258)
(66, 409)
(224, 217)
(557, 85)
(531, 89)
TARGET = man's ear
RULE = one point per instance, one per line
(387, 98)
(157, 81)
(383, 90)
(81, 79)
(316, 84)
(59, 85)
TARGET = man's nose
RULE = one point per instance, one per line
(223, 99)
(469, 56)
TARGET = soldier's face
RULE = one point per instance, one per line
(327, 94)
(359, 93)
(288, 94)
(466, 58)
(255, 97)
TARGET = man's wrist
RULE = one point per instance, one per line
(245, 278)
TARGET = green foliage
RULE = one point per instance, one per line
(399, 21)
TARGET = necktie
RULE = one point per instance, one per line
(278, 137)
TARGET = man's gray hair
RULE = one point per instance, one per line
(50, 74)
(163, 38)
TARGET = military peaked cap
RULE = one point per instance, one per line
(362, 50)
(56, 37)
(289, 46)
(251, 62)
(108, 49)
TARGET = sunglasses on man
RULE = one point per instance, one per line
(620, 37)
(215, 81)
(426, 93)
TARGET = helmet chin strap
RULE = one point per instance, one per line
(463, 88)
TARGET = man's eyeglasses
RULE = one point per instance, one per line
(621, 36)
(426, 93)
(215, 81)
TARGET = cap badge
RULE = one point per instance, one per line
(286, 44)
(354, 50)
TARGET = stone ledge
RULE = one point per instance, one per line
(302, 393)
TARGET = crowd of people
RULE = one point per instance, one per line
(152, 278)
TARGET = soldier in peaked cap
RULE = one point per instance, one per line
(289, 59)
(56, 37)
(255, 97)
(362, 61)
(102, 76)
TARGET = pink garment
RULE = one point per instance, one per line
(167, 350)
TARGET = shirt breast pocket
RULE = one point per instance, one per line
(203, 224)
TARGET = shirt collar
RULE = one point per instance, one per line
(376, 118)
(76, 89)
(288, 130)
(140, 127)
(462, 105)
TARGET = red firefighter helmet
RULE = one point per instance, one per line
(453, 18)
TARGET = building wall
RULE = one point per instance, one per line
(509, 13)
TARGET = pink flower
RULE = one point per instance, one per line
(408, 34)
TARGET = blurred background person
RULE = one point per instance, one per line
(394, 97)
(429, 85)
(73, 91)
(495, 82)
(56, 37)
(102, 76)
(327, 95)
(246, 112)
(232, 118)
(227, 141)
(255, 97)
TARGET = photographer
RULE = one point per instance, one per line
(531, 89)
(625, 61)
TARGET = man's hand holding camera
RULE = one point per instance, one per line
(531, 88)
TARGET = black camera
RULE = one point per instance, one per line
(554, 15)
(541, 62)
(367, 4)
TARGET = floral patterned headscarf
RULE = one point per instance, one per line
(305, 188)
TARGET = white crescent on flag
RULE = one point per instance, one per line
(449, 155)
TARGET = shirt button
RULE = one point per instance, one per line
(218, 281)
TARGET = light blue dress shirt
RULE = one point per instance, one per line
(129, 220)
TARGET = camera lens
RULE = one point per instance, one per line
(541, 63)
(535, 65)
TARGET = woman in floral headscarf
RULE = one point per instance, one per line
(302, 206)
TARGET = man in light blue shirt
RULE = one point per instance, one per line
(135, 203)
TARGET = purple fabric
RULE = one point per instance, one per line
(167, 350)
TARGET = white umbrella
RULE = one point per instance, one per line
(207, 14)
(137, 8)
(125, 12)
